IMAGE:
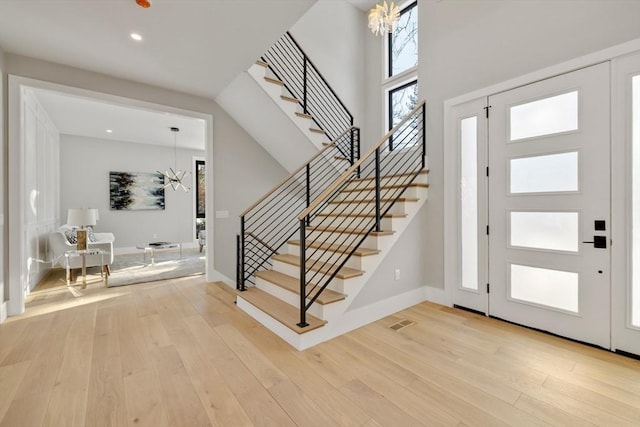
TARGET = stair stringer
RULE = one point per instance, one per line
(275, 92)
(339, 319)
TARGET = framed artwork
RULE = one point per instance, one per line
(200, 189)
(133, 191)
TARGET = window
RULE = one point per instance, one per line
(403, 42)
(401, 85)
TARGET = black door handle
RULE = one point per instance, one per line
(599, 242)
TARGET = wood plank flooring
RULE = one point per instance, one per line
(180, 353)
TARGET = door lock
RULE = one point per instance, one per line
(599, 242)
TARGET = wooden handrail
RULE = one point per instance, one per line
(338, 182)
(273, 190)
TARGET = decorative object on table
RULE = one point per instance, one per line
(174, 176)
(132, 191)
(383, 17)
(81, 218)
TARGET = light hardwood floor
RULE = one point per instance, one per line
(180, 353)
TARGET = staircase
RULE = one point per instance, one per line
(308, 247)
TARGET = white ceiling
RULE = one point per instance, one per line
(191, 46)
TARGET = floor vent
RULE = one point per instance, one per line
(402, 324)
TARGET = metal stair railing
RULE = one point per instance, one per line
(267, 225)
(291, 65)
(353, 206)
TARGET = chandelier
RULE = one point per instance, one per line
(383, 17)
(174, 176)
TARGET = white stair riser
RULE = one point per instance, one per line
(356, 262)
(371, 241)
(337, 284)
(385, 193)
(347, 208)
(387, 223)
(421, 179)
(324, 312)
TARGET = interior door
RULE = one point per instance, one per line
(549, 205)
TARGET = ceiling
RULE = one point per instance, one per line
(191, 46)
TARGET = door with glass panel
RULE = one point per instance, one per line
(549, 205)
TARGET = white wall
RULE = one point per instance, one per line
(85, 164)
(331, 35)
(3, 177)
(239, 169)
(41, 148)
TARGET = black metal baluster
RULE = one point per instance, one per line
(303, 275)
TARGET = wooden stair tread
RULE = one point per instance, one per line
(261, 63)
(284, 313)
(348, 230)
(339, 248)
(344, 273)
(289, 98)
(399, 175)
(400, 199)
(274, 81)
(314, 130)
(385, 187)
(293, 285)
(303, 115)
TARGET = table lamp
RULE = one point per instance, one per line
(81, 218)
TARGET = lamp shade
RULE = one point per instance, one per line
(81, 217)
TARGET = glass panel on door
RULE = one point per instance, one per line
(543, 286)
(469, 202)
(546, 116)
(543, 174)
(555, 231)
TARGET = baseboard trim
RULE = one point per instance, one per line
(438, 296)
(3, 311)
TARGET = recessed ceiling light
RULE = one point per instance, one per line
(109, 131)
(143, 3)
(137, 37)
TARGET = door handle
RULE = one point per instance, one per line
(599, 242)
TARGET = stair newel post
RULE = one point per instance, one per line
(424, 137)
(303, 273)
(378, 189)
(238, 261)
(240, 283)
(308, 189)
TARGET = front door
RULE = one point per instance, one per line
(549, 205)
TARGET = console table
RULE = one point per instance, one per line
(153, 247)
(83, 253)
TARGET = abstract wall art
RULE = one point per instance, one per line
(133, 191)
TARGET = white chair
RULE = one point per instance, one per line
(202, 238)
(58, 245)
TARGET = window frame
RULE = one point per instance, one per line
(403, 79)
(389, 57)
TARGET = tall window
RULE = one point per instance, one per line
(403, 42)
(401, 83)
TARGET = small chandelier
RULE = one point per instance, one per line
(174, 176)
(383, 17)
